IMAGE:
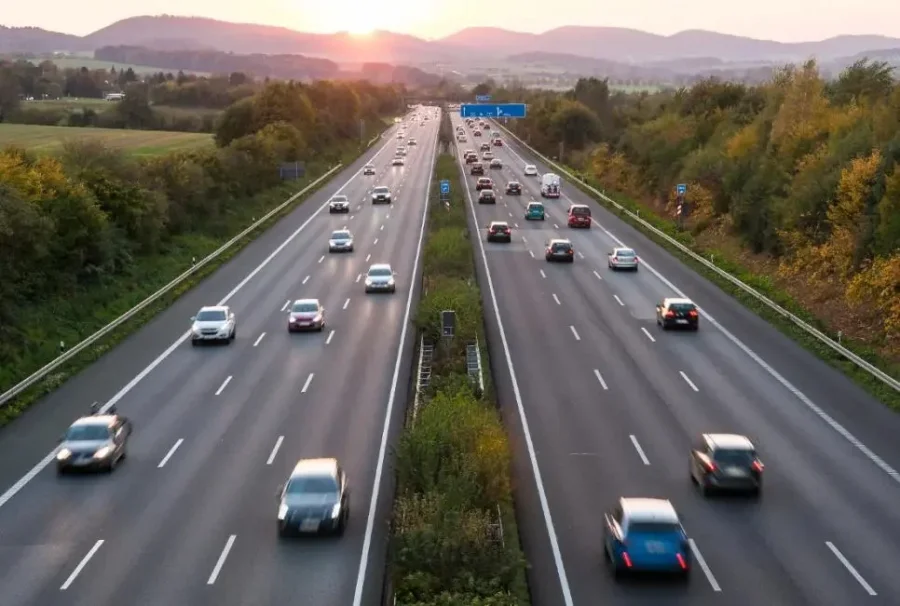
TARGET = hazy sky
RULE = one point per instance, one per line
(784, 20)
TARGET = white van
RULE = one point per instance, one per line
(550, 186)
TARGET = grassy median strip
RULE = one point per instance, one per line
(455, 540)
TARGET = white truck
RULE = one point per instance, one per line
(550, 186)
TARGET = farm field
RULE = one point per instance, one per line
(50, 139)
(73, 103)
(78, 61)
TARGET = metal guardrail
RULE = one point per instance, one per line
(818, 334)
(62, 359)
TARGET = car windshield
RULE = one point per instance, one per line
(381, 190)
(340, 235)
(380, 272)
(87, 433)
(535, 207)
(734, 456)
(625, 253)
(637, 528)
(211, 315)
(313, 485)
(499, 226)
(487, 193)
(304, 307)
(513, 184)
(581, 210)
(339, 198)
(682, 306)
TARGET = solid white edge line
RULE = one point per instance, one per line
(382, 449)
(308, 381)
(330, 336)
(529, 443)
(600, 378)
(49, 458)
(704, 566)
(81, 566)
(649, 336)
(275, 450)
(575, 333)
(688, 380)
(258, 339)
(221, 561)
(640, 451)
(170, 453)
(224, 385)
(850, 568)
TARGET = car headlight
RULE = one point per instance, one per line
(103, 452)
(390, 281)
(63, 454)
(195, 330)
(223, 330)
(331, 243)
(282, 512)
(368, 281)
(336, 510)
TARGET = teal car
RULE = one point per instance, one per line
(534, 211)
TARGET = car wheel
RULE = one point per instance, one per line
(321, 327)
(195, 342)
(705, 489)
(393, 289)
(233, 334)
(124, 454)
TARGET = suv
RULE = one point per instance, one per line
(477, 168)
(339, 204)
(315, 499)
(681, 313)
(486, 196)
(579, 216)
(484, 183)
(213, 323)
(721, 461)
(94, 443)
(560, 250)
(381, 195)
(499, 231)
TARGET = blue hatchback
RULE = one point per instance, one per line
(646, 535)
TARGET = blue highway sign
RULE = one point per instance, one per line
(482, 98)
(681, 189)
(492, 110)
(445, 187)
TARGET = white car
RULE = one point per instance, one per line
(380, 278)
(339, 204)
(213, 323)
(531, 170)
(401, 151)
(487, 155)
(369, 169)
(623, 258)
(398, 161)
(340, 241)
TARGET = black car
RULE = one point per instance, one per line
(486, 196)
(560, 250)
(729, 462)
(477, 169)
(514, 188)
(499, 231)
(316, 499)
(677, 313)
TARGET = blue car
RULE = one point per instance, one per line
(645, 535)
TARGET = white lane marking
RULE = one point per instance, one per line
(322, 258)
(381, 228)
(352, 217)
(598, 275)
(618, 300)
(346, 303)
(359, 277)
(575, 333)
(640, 451)
(580, 255)
(275, 450)
(688, 380)
(600, 378)
(543, 275)
(387, 216)
(169, 454)
(649, 336)
(258, 339)
(221, 561)
(382, 449)
(850, 568)
(308, 381)
(555, 298)
(516, 225)
(224, 385)
(524, 239)
(81, 565)
(529, 443)
(531, 252)
(285, 306)
(369, 256)
(556, 225)
(375, 242)
(330, 336)
(704, 566)
(305, 280)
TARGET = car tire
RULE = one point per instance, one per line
(195, 342)
(705, 489)
(393, 289)
(321, 327)
(233, 334)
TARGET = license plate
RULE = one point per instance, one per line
(305, 323)
(735, 472)
(309, 525)
(681, 321)
(655, 547)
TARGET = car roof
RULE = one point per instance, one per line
(309, 467)
(678, 301)
(341, 231)
(214, 308)
(623, 248)
(560, 241)
(95, 420)
(339, 197)
(382, 187)
(579, 206)
(500, 223)
(648, 510)
(306, 301)
(535, 203)
(730, 441)
(379, 266)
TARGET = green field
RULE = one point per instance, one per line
(79, 61)
(50, 139)
(74, 103)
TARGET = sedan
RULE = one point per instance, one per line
(380, 278)
(94, 443)
(531, 170)
(397, 161)
(316, 499)
(340, 241)
(677, 313)
(560, 250)
(622, 258)
(645, 535)
(514, 188)
(486, 196)
(499, 231)
(496, 163)
(484, 183)
(726, 462)
(306, 314)
(368, 169)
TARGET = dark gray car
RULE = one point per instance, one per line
(315, 499)
(93, 443)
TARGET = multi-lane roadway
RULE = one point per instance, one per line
(603, 404)
(190, 517)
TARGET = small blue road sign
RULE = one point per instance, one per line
(681, 189)
(445, 187)
(482, 98)
(492, 110)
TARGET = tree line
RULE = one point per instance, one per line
(803, 172)
(85, 220)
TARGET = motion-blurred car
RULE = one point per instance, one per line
(534, 211)
(514, 188)
(484, 183)
(560, 250)
(369, 169)
(306, 314)
(412, 143)
(496, 163)
(499, 231)
(381, 195)
(531, 170)
(316, 499)
(94, 443)
(498, 142)
(397, 161)
(486, 196)
(623, 258)
(476, 133)
(339, 204)
(726, 462)
(380, 278)
(579, 215)
(341, 240)
(645, 535)
(477, 169)
(485, 146)
(213, 323)
(677, 313)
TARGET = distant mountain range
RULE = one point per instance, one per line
(172, 33)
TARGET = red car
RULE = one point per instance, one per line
(498, 142)
(579, 216)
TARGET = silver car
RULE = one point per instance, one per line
(381, 195)
(380, 278)
(341, 241)
(531, 170)
(306, 314)
(369, 169)
(215, 323)
(315, 499)
(93, 443)
(339, 204)
(398, 161)
(623, 258)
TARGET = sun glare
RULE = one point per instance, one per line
(362, 17)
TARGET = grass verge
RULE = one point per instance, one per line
(50, 139)
(455, 539)
(90, 309)
(762, 284)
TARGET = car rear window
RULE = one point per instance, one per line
(560, 246)
(582, 211)
(636, 528)
(682, 307)
(381, 190)
(625, 253)
(734, 456)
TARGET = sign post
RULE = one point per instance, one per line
(681, 209)
(448, 326)
(445, 192)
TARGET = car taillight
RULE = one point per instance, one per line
(757, 466)
(626, 559)
(615, 259)
(681, 561)
(571, 252)
(710, 466)
(692, 314)
(636, 259)
(670, 314)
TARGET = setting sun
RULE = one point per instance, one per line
(362, 17)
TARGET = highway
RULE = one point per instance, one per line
(602, 404)
(189, 518)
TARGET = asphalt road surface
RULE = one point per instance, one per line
(189, 518)
(603, 404)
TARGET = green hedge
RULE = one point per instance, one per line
(453, 461)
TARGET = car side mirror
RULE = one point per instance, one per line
(193, 318)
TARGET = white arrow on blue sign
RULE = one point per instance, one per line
(445, 187)
(681, 188)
